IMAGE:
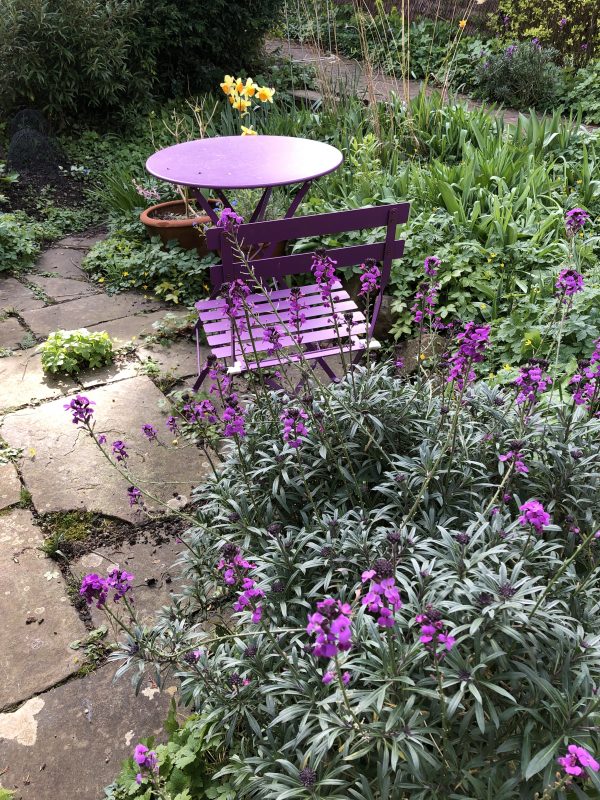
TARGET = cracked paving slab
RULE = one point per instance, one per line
(37, 620)
(10, 486)
(70, 741)
(68, 472)
(23, 381)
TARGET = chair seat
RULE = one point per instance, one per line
(325, 331)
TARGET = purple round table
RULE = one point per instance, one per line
(245, 162)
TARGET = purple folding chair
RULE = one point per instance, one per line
(330, 327)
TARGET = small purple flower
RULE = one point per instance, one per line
(327, 678)
(293, 426)
(323, 268)
(149, 432)
(81, 409)
(576, 760)
(370, 278)
(93, 587)
(101, 439)
(569, 282)
(536, 43)
(431, 266)
(575, 219)
(297, 311)
(120, 581)
(587, 382)
(119, 449)
(584, 46)
(533, 513)
(531, 381)
(473, 341)
(249, 597)
(562, 22)
(434, 635)
(135, 496)
(233, 417)
(383, 597)
(145, 758)
(229, 220)
(272, 337)
(172, 424)
(331, 627)
(510, 50)
(517, 460)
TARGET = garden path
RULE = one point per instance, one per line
(338, 75)
(64, 726)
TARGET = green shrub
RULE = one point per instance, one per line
(18, 242)
(70, 352)
(584, 92)
(525, 19)
(524, 75)
(123, 262)
(409, 482)
(76, 56)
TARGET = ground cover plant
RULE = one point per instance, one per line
(69, 352)
(411, 565)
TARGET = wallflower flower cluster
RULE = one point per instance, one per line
(575, 219)
(369, 278)
(531, 382)
(434, 635)
(383, 597)
(533, 513)
(587, 382)
(293, 420)
(146, 759)
(576, 760)
(331, 626)
(235, 570)
(93, 587)
(473, 342)
(323, 268)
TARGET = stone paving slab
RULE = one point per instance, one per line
(68, 471)
(130, 328)
(61, 289)
(81, 241)
(179, 358)
(113, 372)
(10, 486)
(11, 333)
(155, 577)
(87, 311)
(37, 620)
(14, 295)
(23, 381)
(68, 743)
(65, 262)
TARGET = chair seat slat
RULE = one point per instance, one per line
(255, 333)
(309, 337)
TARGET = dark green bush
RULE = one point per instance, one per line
(524, 75)
(76, 56)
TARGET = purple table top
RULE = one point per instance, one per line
(244, 162)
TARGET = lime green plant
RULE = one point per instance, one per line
(72, 351)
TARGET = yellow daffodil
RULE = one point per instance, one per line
(241, 105)
(231, 99)
(248, 131)
(265, 95)
(249, 89)
(239, 85)
(228, 82)
(462, 24)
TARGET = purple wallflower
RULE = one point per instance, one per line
(81, 408)
(431, 265)
(293, 426)
(569, 282)
(273, 339)
(423, 308)
(434, 635)
(172, 424)
(101, 439)
(233, 417)
(473, 341)
(229, 220)
(576, 760)
(533, 513)
(149, 431)
(120, 581)
(531, 381)
(370, 278)
(146, 759)
(297, 310)
(517, 460)
(135, 496)
(587, 382)
(382, 599)
(235, 573)
(234, 296)
(562, 22)
(510, 50)
(119, 449)
(249, 597)
(331, 627)
(323, 268)
(575, 219)
(93, 587)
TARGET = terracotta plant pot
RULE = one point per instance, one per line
(187, 231)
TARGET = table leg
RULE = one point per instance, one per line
(298, 198)
(259, 211)
(205, 205)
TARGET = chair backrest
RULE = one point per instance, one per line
(273, 231)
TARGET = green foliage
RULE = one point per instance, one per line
(187, 764)
(69, 352)
(79, 56)
(529, 18)
(18, 242)
(584, 92)
(522, 76)
(126, 262)
(403, 472)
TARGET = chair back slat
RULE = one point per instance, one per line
(280, 266)
(334, 222)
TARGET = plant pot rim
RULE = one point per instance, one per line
(155, 222)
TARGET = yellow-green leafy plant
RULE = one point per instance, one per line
(71, 351)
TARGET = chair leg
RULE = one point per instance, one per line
(200, 379)
(327, 370)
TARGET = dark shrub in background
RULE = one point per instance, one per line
(75, 57)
